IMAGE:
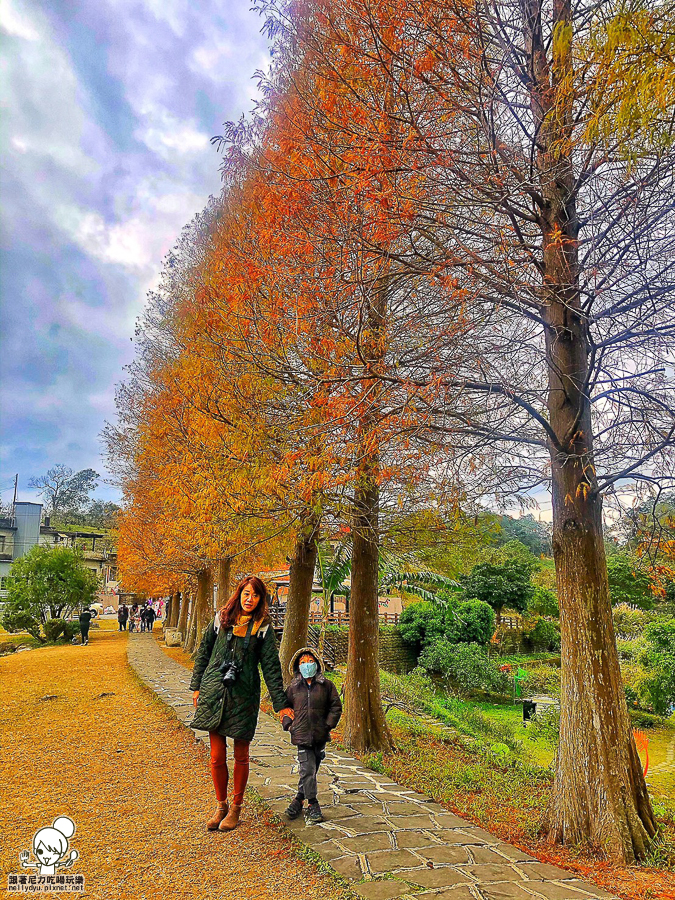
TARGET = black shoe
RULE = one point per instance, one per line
(294, 808)
(313, 815)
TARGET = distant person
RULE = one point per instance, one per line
(85, 621)
(150, 616)
(123, 616)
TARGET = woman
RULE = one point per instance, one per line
(226, 686)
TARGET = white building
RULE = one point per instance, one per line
(24, 530)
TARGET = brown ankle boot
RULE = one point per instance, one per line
(232, 819)
(221, 812)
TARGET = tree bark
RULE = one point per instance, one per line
(599, 794)
(224, 578)
(365, 724)
(189, 639)
(176, 604)
(203, 607)
(300, 581)
(182, 623)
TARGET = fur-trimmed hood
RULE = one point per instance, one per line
(294, 665)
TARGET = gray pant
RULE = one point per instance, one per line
(310, 758)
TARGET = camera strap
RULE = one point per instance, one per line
(247, 639)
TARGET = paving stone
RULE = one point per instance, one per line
(487, 873)
(488, 855)
(539, 871)
(452, 856)
(407, 808)
(380, 890)
(460, 892)
(455, 836)
(515, 853)
(329, 850)
(367, 843)
(485, 836)
(561, 890)
(348, 867)
(450, 820)
(382, 861)
(359, 795)
(443, 876)
(367, 824)
(365, 809)
(415, 839)
(587, 890)
(412, 821)
(505, 891)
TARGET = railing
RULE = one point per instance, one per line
(313, 638)
(511, 622)
(278, 616)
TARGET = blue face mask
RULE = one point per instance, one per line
(308, 669)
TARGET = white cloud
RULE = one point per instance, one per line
(16, 23)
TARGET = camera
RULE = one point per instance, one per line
(230, 671)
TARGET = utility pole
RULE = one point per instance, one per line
(16, 487)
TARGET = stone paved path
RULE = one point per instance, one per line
(386, 841)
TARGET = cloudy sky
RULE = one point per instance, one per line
(109, 107)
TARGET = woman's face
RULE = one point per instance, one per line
(249, 599)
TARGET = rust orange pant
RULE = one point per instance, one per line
(219, 770)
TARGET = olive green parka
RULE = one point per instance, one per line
(233, 711)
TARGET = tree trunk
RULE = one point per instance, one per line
(189, 638)
(300, 581)
(182, 623)
(365, 725)
(203, 607)
(223, 580)
(599, 793)
(176, 603)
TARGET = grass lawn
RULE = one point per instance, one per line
(83, 737)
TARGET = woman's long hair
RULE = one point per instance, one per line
(229, 613)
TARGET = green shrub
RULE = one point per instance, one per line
(544, 635)
(544, 602)
(15, 619)
(628, 583)
(470, 622)
(54, 628)
(546, 724)
(657, 689)
(457, 622)
(543, 679)
(464, 666)
(72, 628)
(501, 585)
(629, 650)
(629, 623)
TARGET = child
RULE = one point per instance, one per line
(314, 710)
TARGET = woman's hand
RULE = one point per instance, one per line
(195, 697)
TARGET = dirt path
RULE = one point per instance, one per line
(106, 753)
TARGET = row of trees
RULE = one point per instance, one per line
(440, 270)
